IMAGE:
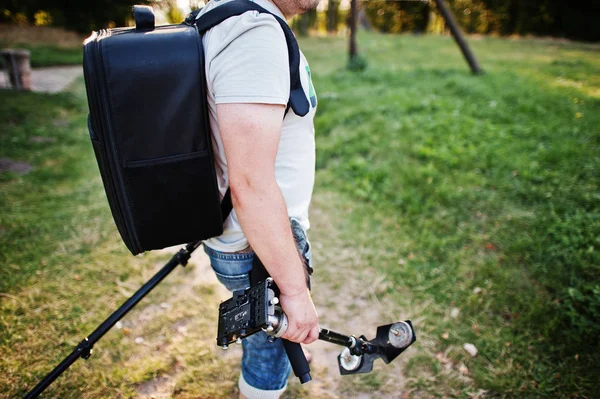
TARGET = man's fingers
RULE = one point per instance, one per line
(303, 336)
(296, 334)
(291, 334)
(312, 336)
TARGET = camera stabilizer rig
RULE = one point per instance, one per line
(257, 308)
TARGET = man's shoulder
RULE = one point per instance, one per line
(253, 32)
(238, 24)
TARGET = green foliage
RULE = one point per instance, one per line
(172, 11)
(333, 15)
(80, 16)
(575, 20)
(546, 18)
(49, 55)
(301, 24)
(357, 63)
(398, 16)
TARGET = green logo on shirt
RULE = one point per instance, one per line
(311, 89)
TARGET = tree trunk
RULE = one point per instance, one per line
(332, 16)
(303, 24)
(353, 19)
(458, 37)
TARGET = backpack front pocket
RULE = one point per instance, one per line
(171, 201)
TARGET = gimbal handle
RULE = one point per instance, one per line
(293, 349)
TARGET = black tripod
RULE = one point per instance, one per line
(84, 349)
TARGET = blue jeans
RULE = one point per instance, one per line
(265, 365)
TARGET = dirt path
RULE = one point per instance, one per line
(163, 385)
(48, 80)
(352, 299)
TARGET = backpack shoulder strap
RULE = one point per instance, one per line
(297, 101)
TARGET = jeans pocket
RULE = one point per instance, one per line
(231, 269)
(234, 283)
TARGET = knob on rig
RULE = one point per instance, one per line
(348, 361)
(401, 335)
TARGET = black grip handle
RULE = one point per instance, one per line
(293, 349)
(298, 360)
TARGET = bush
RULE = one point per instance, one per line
(357, 63)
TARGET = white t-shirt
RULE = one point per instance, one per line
(247, 62)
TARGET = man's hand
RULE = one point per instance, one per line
(302, 317)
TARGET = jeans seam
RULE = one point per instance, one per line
(228, 256)
(232, 276)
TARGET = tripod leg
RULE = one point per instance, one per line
(84, 349)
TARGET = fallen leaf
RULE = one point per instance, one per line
(471, 349)
(475, 327)
(126, 331)
(77, 277)
(490, 246)
(442, 358)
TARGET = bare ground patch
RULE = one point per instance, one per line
(181, 336)
(9, 165)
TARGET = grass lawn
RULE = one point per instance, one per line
(48, 46)
(476, 193)
(477, 198)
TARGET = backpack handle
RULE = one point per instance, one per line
(144, 17)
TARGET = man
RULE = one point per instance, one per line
(267, 158)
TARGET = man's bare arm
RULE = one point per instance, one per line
(250, 135)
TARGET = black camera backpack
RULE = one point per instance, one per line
(149, 125)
